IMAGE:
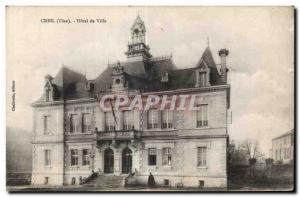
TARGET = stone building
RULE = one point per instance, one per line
(283, 148)
(74, 138)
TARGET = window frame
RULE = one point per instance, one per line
(86, 123)
(48, 94)
(202, 117)
(151, 125)
(202, 156)
(46, 124)
(169, 119)
(86, 157)
(74, 128)
(112, 125)
(127, 120)
(152, 157)
(202, 78)
(166, 156)
(74, 156)
(47, 157)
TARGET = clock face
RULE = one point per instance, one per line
(118, 81)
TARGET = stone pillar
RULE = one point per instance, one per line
(99, 160)
(135, 159)
(117, 162)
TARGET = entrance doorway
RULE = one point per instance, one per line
(108, 161)
(126, 161)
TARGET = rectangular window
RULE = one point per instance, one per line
(280, 154)
(167, 119)
(46, 180)
(202, 78)
(152, 156)
(128, 120)
(46, 125)
(284, 153)
(74, 157)
(74, 123)
(202, 116)
(202, 154)
(47, 157)
(73, 181)
(86, 121)
(201, 183)
(153, 119)
(85, 157)
(48, 94)
(167, 156)
(109, 121)
(166, 182)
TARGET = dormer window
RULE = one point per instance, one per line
(48, 88)
(89, 86)
(165, 78)
(48, 95)
(202, 79)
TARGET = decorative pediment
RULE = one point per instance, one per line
(119, 82)
(138, 25)
(202, 65)
(118, 69)
(202, 74)
(48, 89)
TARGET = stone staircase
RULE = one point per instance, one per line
(106, 182)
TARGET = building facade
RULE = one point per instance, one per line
(74, 137)
(283, 148)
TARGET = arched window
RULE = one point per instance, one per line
(126, 161)
(108, 161)
(136, 36)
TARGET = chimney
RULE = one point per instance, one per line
(223, 53)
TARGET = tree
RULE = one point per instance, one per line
(251, 148)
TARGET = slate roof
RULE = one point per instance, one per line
(140, 75)
(291, 132)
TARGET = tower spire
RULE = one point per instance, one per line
(137, 48)
(207, 41)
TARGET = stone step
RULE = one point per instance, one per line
(106, 181)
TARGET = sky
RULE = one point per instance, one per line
(259, 40)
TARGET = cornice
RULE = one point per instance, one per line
(169, 92)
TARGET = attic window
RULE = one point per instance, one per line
(165, 77)
(48, 96)
(89, 86)
(202, 79)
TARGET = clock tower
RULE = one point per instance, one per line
(137, 48)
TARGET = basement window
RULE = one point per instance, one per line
(166, 182)
(46, 180)
(73, 181)
(201, 183)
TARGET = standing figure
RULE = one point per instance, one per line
(151, 181)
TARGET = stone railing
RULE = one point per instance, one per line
(154, 133)
(118, 135)
(89, 178)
